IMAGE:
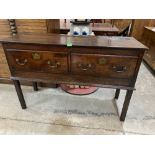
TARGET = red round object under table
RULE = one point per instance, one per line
(85, 90)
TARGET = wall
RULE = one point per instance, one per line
(122, 23)
(4, 31)
(138, 27)
(31, 25)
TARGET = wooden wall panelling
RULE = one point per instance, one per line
(4, 69)
(122, 23)
(4, 31)
(152, 22)
(53, 25)
(149, 40)
(31, 25)
(4, 27)
(138, 27)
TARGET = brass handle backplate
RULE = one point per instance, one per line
(53, 64)
(36, 56)
(102, 61)
(21, 62)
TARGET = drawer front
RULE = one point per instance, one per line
(38, 61)
(110, 66)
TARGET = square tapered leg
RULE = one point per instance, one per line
(19, 93)
(126, 104)
(35, 86)
(117, 93)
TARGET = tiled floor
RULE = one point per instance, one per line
(51, 111)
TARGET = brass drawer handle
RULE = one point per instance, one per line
(21, 63)
(53, 64)
(119, 69)
(85, 67)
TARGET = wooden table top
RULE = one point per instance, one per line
(99, 27)
(150, 28)
(82, 41)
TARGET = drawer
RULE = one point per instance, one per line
(38, 61)
(110, 66)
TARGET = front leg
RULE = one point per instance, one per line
(126, 104)
(19, 93)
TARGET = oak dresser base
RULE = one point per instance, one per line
(109, 62)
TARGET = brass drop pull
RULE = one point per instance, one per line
(85, 67)
(119, 68)
(53, 64)
(20, 62)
